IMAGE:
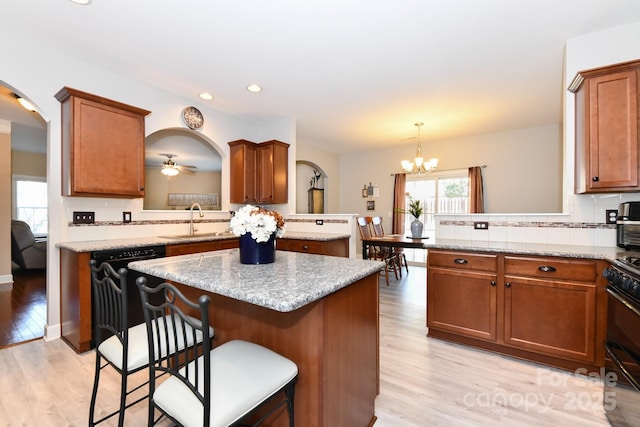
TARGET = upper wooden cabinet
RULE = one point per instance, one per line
(102, 146)
(607, 129)
(259, 172)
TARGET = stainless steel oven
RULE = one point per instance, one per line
(621, 398)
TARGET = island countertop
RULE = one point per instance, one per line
(292, 281)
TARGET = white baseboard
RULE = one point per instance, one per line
(6, 282)
(52, 332)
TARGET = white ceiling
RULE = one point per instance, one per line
(356, 74)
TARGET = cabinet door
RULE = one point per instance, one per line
(462, 302)
(551, 317)
(243, 173)
(273, 164)
(102, 146)
(607, 133)
(265, 177)
(108, 150)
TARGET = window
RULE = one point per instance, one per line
(30, 202)
(439, 192)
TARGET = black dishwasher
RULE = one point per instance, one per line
(119, 258)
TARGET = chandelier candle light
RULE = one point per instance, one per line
(257, 229)
(419, 166)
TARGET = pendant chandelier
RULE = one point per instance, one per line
(419, 166)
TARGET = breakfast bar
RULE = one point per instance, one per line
(319, 311)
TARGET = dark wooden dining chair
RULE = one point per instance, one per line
(365, 226)
(397, 253)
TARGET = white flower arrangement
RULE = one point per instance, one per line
(261, 223)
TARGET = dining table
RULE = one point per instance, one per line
(392, 241)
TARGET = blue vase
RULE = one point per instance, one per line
(252, 252)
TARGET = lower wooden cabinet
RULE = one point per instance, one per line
(338, 247)
(546, 309)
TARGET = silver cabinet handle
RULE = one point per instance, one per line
(460, 261)
(547, 268)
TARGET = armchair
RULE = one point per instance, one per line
(26, 251)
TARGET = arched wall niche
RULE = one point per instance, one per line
(308, 175)
(199, 161)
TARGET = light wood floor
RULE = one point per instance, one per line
(424, 382)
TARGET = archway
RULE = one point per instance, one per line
(309, 175)
(23, 148)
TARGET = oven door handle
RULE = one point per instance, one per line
(622, 300)
(608, 346)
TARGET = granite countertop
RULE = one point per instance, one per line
(291, 282)
(100, 245)
(570, 251)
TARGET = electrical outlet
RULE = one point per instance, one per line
(319, 222)
(612, 215)
(83, 217)
(480, 225)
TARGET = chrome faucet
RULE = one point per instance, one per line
(192, 228)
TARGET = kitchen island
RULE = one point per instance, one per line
(75, 276)
(319, 311)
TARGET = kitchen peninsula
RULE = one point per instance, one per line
(319, 311)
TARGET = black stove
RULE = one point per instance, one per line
(621, 391)
(624, 275)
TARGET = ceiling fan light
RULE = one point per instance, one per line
(169, 171)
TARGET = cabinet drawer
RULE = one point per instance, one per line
(192, 248)
(308, 246)
(229, 244)
(552, 268)
(463, 260)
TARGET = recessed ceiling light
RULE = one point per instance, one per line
(206, 96)
(254, 88)
(82, 2)
(25, 104)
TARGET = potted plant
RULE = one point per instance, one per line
(414, 209)
(257, 229)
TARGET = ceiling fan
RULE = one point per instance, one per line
(171, 168)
